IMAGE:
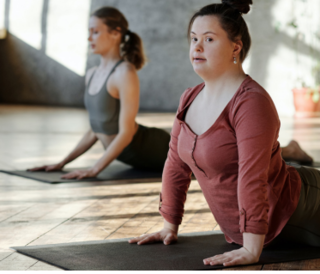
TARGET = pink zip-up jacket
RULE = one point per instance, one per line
(238, 164)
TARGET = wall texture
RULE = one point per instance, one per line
(29, 76)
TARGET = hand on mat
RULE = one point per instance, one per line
(49, 168)
(236, 257)
(166, 235)
(79, 174)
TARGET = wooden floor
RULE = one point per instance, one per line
(35, 213)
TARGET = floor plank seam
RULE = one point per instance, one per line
(16, 214)
(201, 210)
(215, 226)
(63, 222)
(131, 218)
(32, 265)
(8, 256)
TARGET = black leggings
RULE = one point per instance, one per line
(304, 225)
(148, 149)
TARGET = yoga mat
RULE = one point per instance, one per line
(313, 164)
(187, 254)
(115, 171)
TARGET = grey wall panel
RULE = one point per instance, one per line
(28, 76)
(31, 77)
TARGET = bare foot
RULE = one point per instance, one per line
(293, 152)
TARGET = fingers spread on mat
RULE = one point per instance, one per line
(236, 257)
(79, 174)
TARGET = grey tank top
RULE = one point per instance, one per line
(103, 109)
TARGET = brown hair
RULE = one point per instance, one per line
(229, 13)
(132, 47)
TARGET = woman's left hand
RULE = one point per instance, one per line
(79, 174)
(236, 257)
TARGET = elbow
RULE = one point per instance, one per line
(126, 136)
(128, 141)
(130, 137)
(92, 135)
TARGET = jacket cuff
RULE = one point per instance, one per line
(251, 226)
(172, 219)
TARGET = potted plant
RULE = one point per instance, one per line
(307, 99)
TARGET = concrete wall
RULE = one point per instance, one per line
(28, 75)
(40, 74)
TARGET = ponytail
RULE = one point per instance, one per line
(132, 49)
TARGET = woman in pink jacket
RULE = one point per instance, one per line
(226, 132)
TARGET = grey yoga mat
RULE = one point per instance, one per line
(115, 171)
(187, 254)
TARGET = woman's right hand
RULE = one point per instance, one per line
(166, 235)
(55, 167)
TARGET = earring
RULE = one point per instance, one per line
(234, 60)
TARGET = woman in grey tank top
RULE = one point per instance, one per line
(112, 100)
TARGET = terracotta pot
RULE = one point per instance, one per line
(303, 103)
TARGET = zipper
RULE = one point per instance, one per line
(193, 159)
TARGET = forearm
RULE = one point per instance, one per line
(87, 141)
(113, 151)
(170, 226)
(253, 243)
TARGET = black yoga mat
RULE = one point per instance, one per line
(187, 254)
(298, 164)
(314, 164)
(115, 171)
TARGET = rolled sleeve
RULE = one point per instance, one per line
(250, 226)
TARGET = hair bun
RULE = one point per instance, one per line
(241, 5)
